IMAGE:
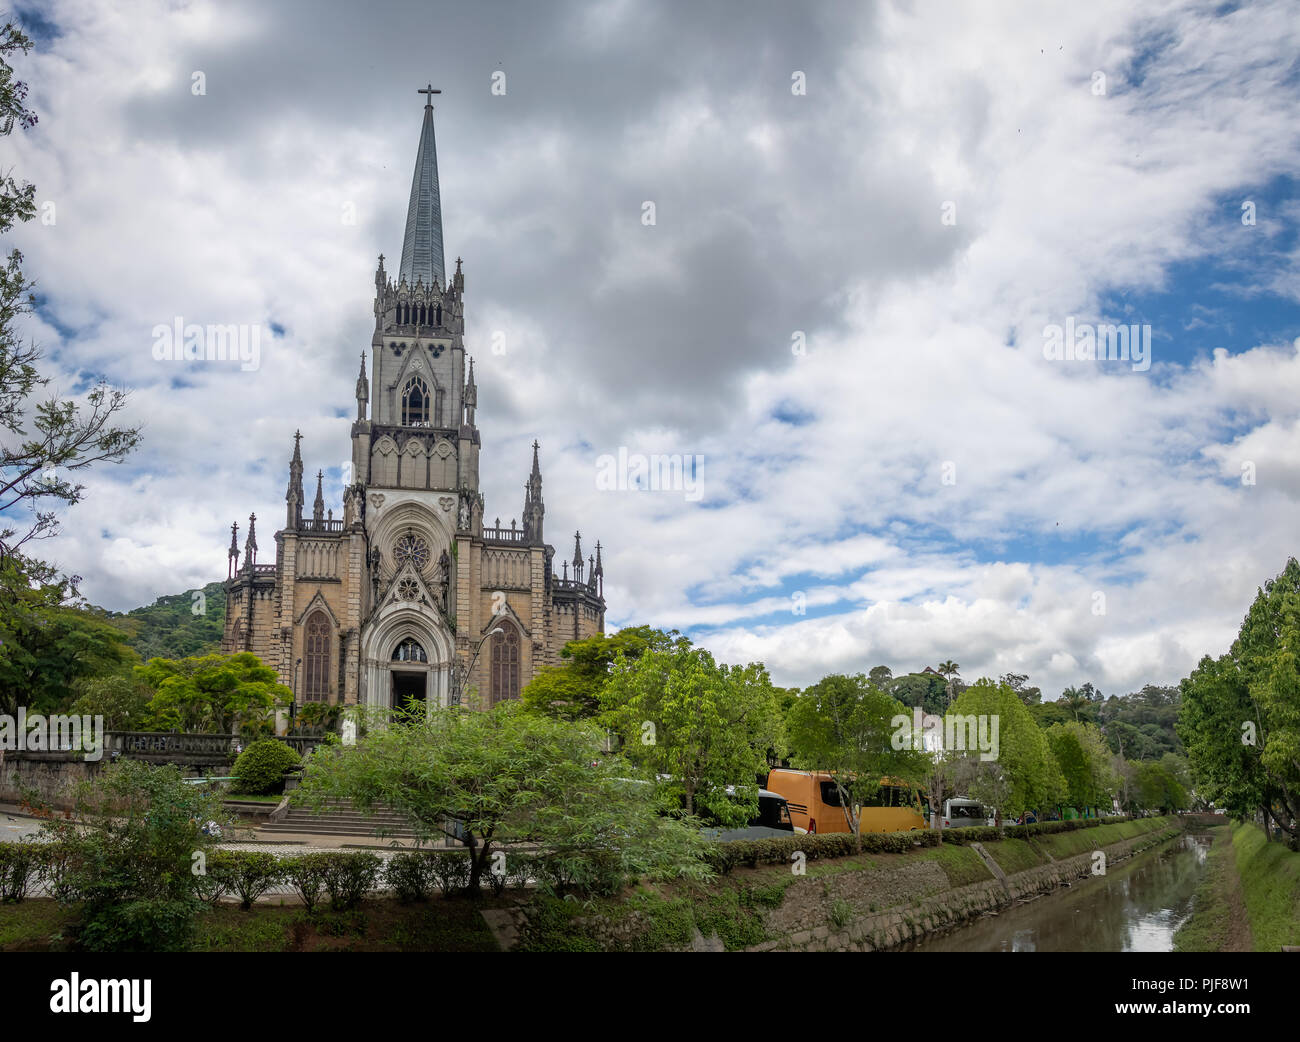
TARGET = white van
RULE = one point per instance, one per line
(960, 812)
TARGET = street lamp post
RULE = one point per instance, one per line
(462, 678)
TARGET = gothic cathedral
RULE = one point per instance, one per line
(410, 594)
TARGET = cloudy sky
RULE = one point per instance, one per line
(865, 217)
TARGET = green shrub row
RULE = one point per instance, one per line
(989, 833)
(753, 852)
(345, 876)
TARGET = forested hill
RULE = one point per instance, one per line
(177, 625)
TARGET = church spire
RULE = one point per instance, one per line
(363, 389)
(471, 395)
(318, 508)
(577, 557)
(232, 565)
(294, 496)
(534, 508)
(250, 544)
(422, 258)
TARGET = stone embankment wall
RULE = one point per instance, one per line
(897, 925)
(50, 776)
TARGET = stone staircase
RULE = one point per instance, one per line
(338, 818)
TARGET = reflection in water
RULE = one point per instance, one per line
(1136, 907)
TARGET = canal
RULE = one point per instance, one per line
(1136, 907)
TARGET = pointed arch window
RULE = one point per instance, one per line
(316, 659)
(505, 663)
(415, 402)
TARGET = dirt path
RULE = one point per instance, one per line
(1238, 937)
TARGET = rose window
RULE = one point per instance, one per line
(408, 589)
(413, 550)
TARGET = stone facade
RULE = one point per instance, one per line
(409, 593)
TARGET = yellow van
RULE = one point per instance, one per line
(815, 805)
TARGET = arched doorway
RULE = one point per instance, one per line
(405, 654)
(408, 673)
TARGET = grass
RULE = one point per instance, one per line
(1270, 881)
(1068, 844)
(1210, 925)
(959, 863)
(243, 798)
(1013, 855)
(34, 925)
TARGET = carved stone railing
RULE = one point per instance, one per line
(574, 586)
(176, 747)
(312, 525)
(500, 534)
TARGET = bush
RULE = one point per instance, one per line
(410, 874)
(588, 871)
(260, 768)
(60, 863)
(214, 882)
(246, 873)
(148, 925)
(129, 856)
(20, 864)
(450, 869)
(349, 876)
(521, 869)
(307, 873)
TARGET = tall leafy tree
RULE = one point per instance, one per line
(1240, 719)
(1025, 774)
(702, 726)
(1084, 759)
(572, 690)
(48, 644)
(507, 777)
(845, 725)
(213, 693)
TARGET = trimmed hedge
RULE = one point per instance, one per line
(820, 846)
(247, 874)
(990, 833)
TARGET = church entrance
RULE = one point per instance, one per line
(407, 686)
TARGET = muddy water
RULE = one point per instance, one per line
(1136, 907)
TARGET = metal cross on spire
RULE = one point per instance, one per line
(429, 90)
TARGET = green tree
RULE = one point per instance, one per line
(572, 690)
(1076, 702)
(47, 642)
(213, 693)
(949, 670)
(1084, 759)
(1240, 715)
(703, 725)
(845, 726)
(1019, 683)
(122, 699)
(506, 776)
(1024, 775)
(139, 835)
